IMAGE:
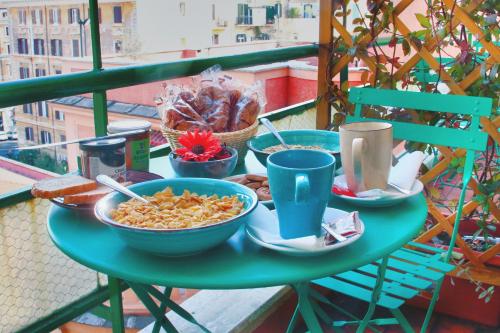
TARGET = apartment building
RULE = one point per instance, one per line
(5, 46)
(52, 37)
(42, 36)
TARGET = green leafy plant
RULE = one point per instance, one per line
(458, 53)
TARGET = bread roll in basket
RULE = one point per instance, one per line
(230, 113)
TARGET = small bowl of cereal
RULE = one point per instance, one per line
(185, 216)
(265, 144)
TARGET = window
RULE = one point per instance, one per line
(40, 72)
(215, 39)
(55, 16)
(8, 48)
(75, 43)
(57, 71)
(6, 31)
(213, 12)
(45, 137)
(59, 116)
(28, 134)
(244, 14)
(38, 46)
(24, 72)
(308, 11)
(270, 14)
(99, 15)
(73, 15)
(42, 109)
(22, 16)
(62, 138)
(37, 16)
(27, 109)
(118, 46)
(56, 47)
(241, 38)
(182, 8)
(4, 14)
(22, 46)
(117, 14)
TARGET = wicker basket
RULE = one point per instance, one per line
(237, 140)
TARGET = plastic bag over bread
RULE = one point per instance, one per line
(219, 104)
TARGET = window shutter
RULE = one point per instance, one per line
(70, 17)
(58, 18)
(33, 17)
(51, 16)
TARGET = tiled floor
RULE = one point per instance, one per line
(277, 321)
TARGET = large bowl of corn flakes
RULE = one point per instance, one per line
(185, 216)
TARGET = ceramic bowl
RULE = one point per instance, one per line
(178, 242)
(325, 139)
(210, 169)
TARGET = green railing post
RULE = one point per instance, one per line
(100, 102)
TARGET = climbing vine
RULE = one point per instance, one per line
(379, 40)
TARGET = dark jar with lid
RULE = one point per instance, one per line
(105, 157)
(137, 145)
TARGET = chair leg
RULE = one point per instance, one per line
(293, 321)
(469, 160)
(375, 295)
(432, 304)
(403, 322)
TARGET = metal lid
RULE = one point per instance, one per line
(104, 144)
(128, 125)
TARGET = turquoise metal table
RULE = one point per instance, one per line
(237, 264)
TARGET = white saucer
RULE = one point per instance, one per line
(270, 223)
(385, 201)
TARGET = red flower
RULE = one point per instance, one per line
(198, 146)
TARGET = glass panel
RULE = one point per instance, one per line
(44, 122)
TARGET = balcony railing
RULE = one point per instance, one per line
(30, 214)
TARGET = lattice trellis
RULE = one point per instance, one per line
(330, 24)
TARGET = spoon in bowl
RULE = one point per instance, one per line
(274, 131)
(111, 183)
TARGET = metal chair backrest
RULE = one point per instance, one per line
(471, 139)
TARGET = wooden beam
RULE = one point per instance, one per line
(323, 114)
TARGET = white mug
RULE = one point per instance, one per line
(366, 153)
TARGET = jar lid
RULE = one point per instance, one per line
(128, 125)
(103, 144)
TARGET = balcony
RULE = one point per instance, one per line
(42, 289)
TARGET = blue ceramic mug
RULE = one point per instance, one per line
(300, 182)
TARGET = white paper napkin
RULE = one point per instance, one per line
(405, 172)
(402, 174)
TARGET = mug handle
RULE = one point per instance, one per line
(302, 187)
(358, 147)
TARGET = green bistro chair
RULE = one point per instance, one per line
(392, 280)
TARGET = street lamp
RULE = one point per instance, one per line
(83, 46)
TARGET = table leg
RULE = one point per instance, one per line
(306, 308)
(146, 294)
(375, 295)
(115, 300)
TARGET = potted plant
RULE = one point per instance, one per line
(381, 40)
